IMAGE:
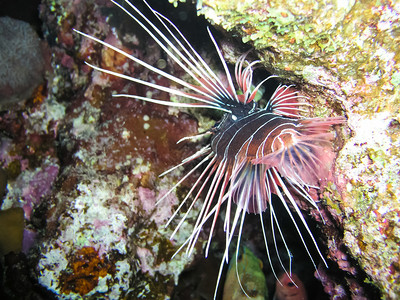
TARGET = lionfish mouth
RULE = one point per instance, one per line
(254, 152)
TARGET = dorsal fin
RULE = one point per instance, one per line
(286, 101)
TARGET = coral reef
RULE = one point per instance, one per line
(344, 56)
(83, 166)
(30, 186)
(86, 267)
(101, 234)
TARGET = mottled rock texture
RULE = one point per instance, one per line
(344, 56)
(22, 61)
(84, 166)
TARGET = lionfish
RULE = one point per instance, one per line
(253, 152)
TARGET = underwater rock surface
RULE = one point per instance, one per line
(102, 219)
(22, 62)
(344, 56)
(84, 166)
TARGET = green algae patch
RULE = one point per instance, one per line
(332, 198)
(12, 227)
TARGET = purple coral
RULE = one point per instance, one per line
(31, 186)
(39, 186)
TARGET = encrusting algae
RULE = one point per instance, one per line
(103, 193)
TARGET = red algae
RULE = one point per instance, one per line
(146, 131)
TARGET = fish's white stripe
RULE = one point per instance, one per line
(244, 128)
(262, 145)
(146, 65)
(203, 67)
(170, 103)
(295, 206)
(227, 73)
(199, 153)
(179, 182)
(249, 116)
(249, 140)
(208, 201)
(220, 173)
(274, 220)
(188, 195)
(163, 46)
(191, 237)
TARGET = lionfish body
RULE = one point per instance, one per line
(253, 152)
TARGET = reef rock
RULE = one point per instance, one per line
(345, 57)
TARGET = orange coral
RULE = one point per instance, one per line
(87, 267)
(38, 95)
(114, 61)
